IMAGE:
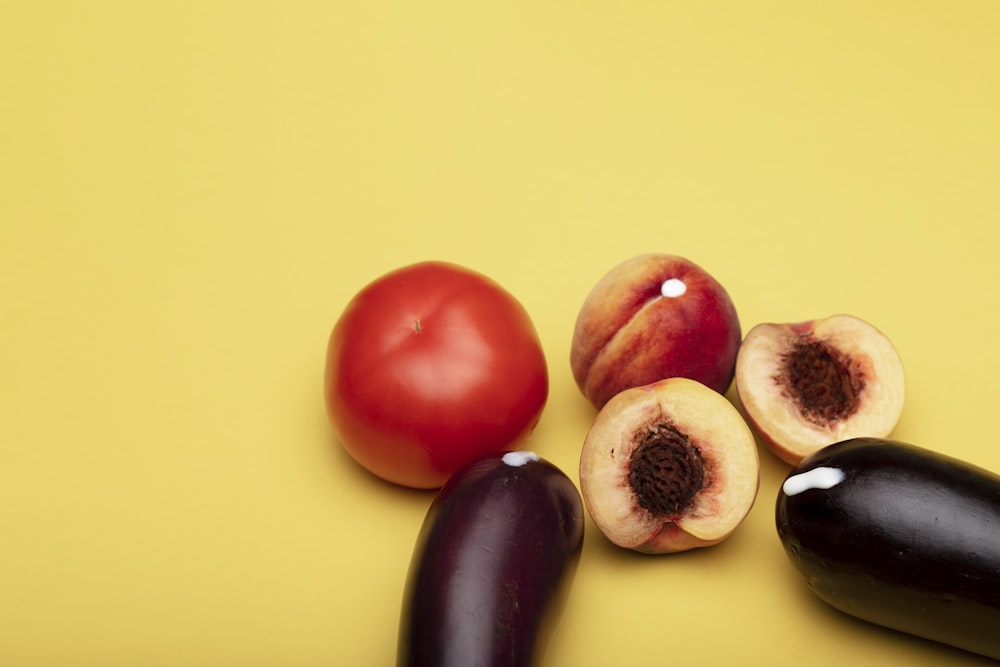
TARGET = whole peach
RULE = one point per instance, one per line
(652, 317)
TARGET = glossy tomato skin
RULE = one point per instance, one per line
(429, 367)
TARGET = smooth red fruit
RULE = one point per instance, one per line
(653, 317)
(429, 367)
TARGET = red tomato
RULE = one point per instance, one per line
(430, 367)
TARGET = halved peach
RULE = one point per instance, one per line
(668, 467)
(806, 385)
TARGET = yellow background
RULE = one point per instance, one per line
(190, 192)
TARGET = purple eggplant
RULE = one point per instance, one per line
(492, 565)
(900, 536)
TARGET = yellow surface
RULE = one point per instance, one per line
(191, 192)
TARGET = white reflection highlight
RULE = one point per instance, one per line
(817, 478)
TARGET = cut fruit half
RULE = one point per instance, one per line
(668, 467)
(806, 385)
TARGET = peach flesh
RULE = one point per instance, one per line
(806, 385)
(668, 467)
(652, 317)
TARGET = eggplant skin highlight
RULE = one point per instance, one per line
(492, 566)
(898, 535)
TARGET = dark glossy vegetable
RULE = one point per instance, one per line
(900, 536)
(492, 565)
